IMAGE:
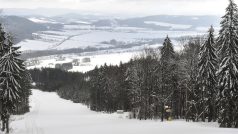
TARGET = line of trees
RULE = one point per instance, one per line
(69, 85)
(199, 83)
(15, 81)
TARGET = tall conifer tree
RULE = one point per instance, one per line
(12, 70)
(207, 77)
(166, 62)
(228, 68)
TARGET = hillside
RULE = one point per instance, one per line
(164, 22)
(22, 28)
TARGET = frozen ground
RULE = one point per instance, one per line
(83, 36)
(96, 60)
(172, 26)
(53, 115)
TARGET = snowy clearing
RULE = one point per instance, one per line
(173, 26)
(42, 20)
(96, 60)
(53, 115)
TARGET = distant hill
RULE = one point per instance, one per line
(163, 22)
(156, 22)
(74, 17)
(20, 28)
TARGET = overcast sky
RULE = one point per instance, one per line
(132, 7)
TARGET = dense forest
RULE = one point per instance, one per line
(199, 83)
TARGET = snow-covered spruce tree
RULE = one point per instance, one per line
(3, 50)
(167, 62)
(11, 68)
(167, 51)
(207, 78)
(228, 68)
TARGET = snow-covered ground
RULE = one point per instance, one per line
(42, 20)
(95, 60)
(98, 58)
(83, 36)
(172, 26)
(52, 115)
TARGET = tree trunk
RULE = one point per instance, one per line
(162, 112)
(203, 106)
(3, 125)
(7, 125)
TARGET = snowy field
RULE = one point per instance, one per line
(52, 115)
(83, 36)
(173, 26)
(96, 60)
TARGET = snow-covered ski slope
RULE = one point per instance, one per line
(53, 115)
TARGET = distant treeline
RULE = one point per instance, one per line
(69, 85)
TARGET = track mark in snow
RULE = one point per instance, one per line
(68, 38)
